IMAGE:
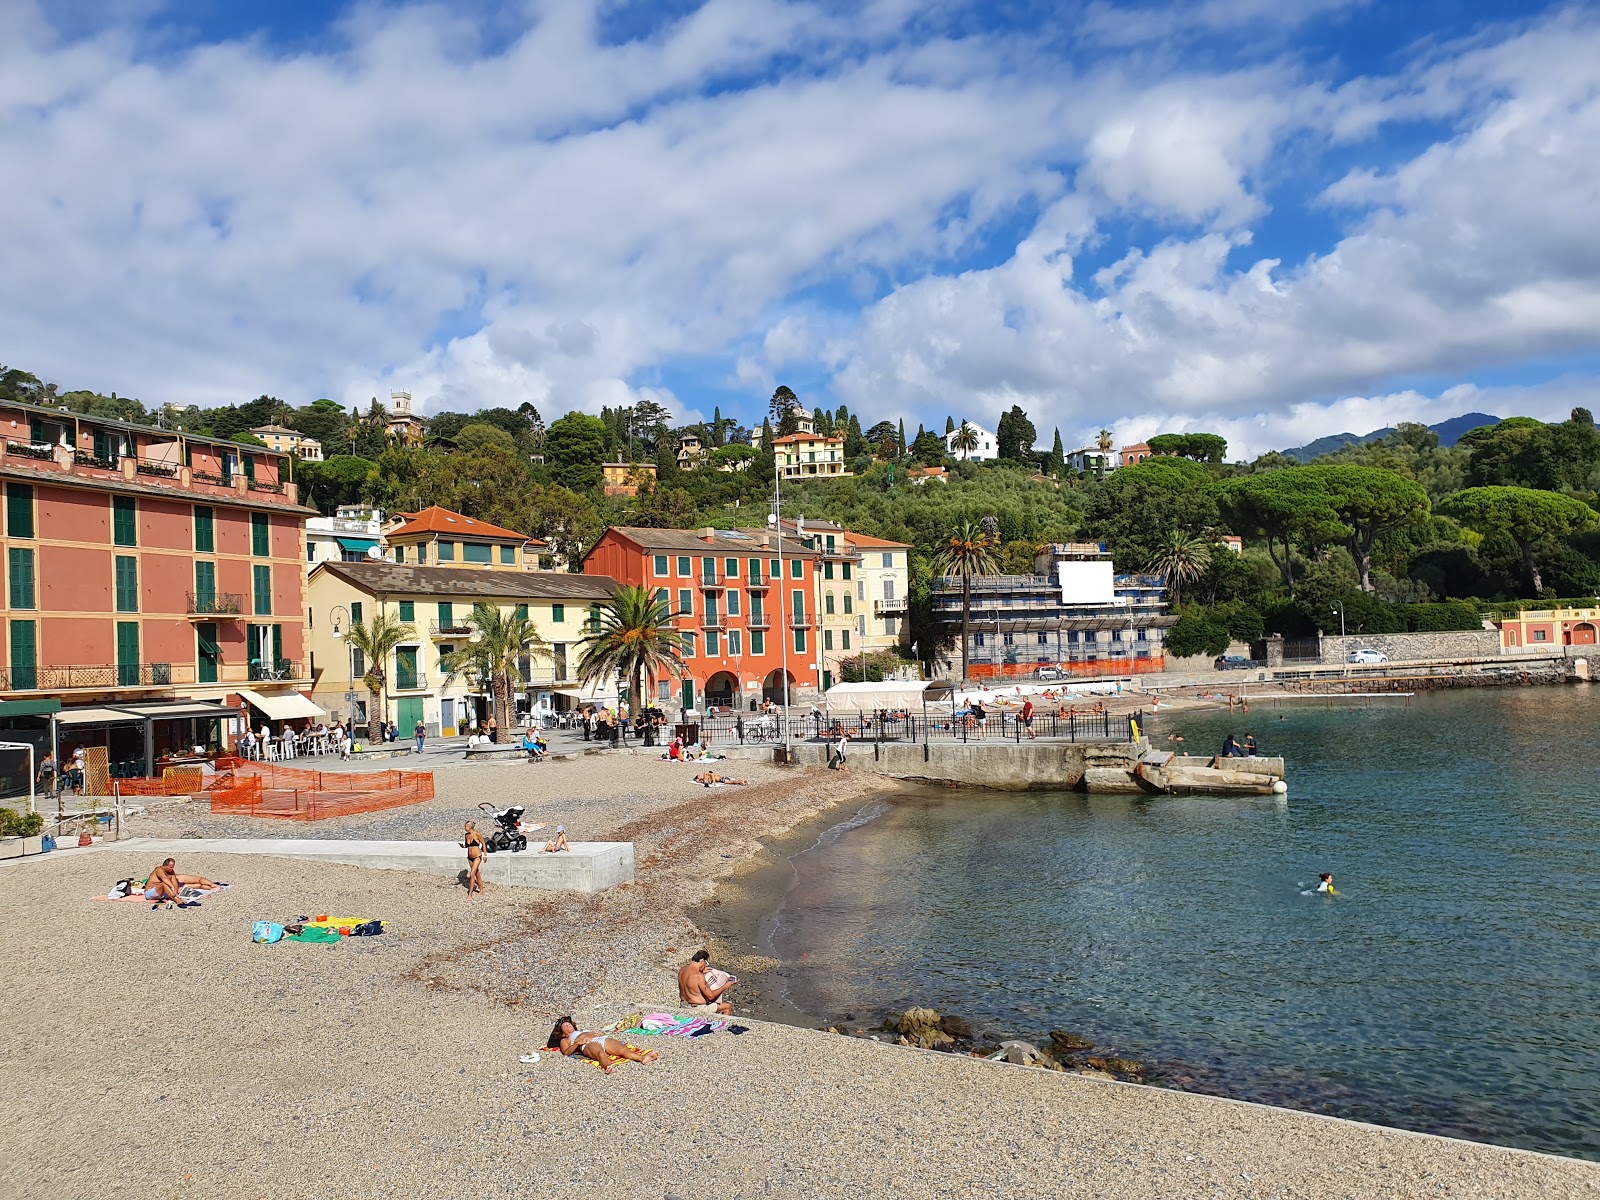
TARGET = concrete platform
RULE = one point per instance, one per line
(587, 867)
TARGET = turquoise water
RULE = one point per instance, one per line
(1453, 986)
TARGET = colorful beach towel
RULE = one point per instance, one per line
(614, 1058)
(676, 1027)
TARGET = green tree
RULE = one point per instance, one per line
(949, 424)
(1014, 436)
(575, 446)
(1287, 509)
(1367, 501)
(341, 479)
(377, 641)
(1196, 633)
(1201, 447)
(500, 639)
(783, 400)
(967, 552)
(928, 449)
(326, 421)
(478, 434)
(635, 638)
(901, 445)
(1058, 457)
(1137, 508)
(1181, 558)
(1528, 516)
(965, 440)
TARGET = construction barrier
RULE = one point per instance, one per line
(288, 793)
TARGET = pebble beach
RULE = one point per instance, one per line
(162, 1054)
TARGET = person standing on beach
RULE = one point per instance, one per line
(840, 750)
(695, 991)
(474, 843)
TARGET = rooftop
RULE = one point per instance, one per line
(806, 437)
(387, 578)
(441, 520)
(704, 541)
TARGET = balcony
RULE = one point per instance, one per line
(277, 669)
(800, 620)
(210, 605)
(759, 620)
(410, 683)
(889, 608)
(713, 621)
(449, 628)
(759, 583)
(711, 581)
(99, 678)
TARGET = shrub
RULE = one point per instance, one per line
(19, 824)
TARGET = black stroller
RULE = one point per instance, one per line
(509, 836)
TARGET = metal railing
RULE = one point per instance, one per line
(61, 679)
(712, 578)
(758, 582)
(449, 628)
(1071, 726)
(410, 683)
(278, 668)
(216, 604)
(713, 621)
(801, 620)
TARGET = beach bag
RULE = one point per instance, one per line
(367, 929)
(266, 932)
(121, 890)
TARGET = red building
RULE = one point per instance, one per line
(154, 586)
(741, 608)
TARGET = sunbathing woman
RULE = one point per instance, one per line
(569, 1040)
(708, 777)
(559, 842)
(475, 849)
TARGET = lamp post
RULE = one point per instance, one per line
(1338, 608)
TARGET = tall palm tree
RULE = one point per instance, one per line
(968, 551)
(376, 642)
(965, 440)
(499, 640)
(1103, 441)
(1182, 558)
(635, 637)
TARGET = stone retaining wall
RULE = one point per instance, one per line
(1007, 766)
(1415, 647)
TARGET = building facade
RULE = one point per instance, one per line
(439, 537)
(690, 451)
(147, 569)
(809, 456)
(626, 478)
(1072, 614)
(403, 425)
(987, 449)
(282, 440)
(1550, 628)
(861, 585)
(744, 604)
(437, 602)
(350, 535)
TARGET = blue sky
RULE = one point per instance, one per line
(1272, 221)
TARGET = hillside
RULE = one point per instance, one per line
(1448, 430)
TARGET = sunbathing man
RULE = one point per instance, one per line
(708, 777)
(695, 991)
(569, 1040)
(166, 884)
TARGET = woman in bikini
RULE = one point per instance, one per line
(475, 851)
(569, 1040)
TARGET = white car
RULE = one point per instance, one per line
(1050, 673)
(1367, 656)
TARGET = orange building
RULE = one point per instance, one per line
(740, 607)
(154, 586)
(1538, 629)
(438, 537)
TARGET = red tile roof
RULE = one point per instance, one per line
(861, 539)
(442, 520)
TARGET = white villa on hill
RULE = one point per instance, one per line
(987, 449)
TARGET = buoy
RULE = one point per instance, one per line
(1279, 787)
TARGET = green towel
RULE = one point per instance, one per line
(314, 933)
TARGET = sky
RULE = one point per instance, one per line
(1271, 221)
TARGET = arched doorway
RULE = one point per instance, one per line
(1581, 634)
(722, 689)
(772, 686)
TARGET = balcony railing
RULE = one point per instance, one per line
(278, 668)
(712, 579)
(889, 608)
(61, 679)
(760, 620)
(410, 683)
(164, 470)
(450, 628)
(40, 450)
(713, 621)
(216, 604)
(800, 620)
(759, 583)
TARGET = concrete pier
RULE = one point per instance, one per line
(587, 867)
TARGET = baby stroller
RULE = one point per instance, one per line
(509, 836)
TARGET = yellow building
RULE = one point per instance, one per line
(626, 478)
(809, 456)
(437, 601)
(443, 538)
(289, 441)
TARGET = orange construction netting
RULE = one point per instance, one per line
(288, 793)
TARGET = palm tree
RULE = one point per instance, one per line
(634, 637)
(499, 640)
(1103, 441)
(967, 552)
(1181, 558)
(965, 440)
(376, 642)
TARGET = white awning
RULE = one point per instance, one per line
(202, 709)
(907, 694)
(281, 706)
(95, 716)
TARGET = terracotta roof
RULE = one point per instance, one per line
(387, 578)
(861, 539)
(146, 485)
(806, 437)
(723, 541)
(442, 520)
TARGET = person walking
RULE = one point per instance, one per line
(474, 844)
(420, 733)
(1027, 718)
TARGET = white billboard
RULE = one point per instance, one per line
(1086, 582)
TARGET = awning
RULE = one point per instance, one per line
(281, 706)
(96, 716)
(202, 709)
(581, 694)
(359, 545)
(896, 694)
(29, 708)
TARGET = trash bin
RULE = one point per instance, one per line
(688, 732)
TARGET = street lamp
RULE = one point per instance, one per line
(1338, 608)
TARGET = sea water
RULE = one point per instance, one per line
(1451, 986)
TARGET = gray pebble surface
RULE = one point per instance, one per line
(163, 1054)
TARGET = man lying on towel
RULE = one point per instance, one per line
(166, 884)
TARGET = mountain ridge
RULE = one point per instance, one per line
(1449, 431)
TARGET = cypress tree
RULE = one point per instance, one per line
(902, 435)
(949, 424)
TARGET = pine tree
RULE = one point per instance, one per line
(766, 437)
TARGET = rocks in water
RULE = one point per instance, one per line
(1120, 1068)
(1025, 1054)
(1064, 1039)
(920, 1027)
(957, 1027)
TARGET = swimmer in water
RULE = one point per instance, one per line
(1325, 886)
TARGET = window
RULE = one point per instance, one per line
(358, 664)
(20, 575)
(476, 552)
(685, 606)
(713, 644)
(558, 613)
(827, 603)
(664, 598)
(262, 578)
(1044, 639)
(522, 612)
(124, 521)
(355, 612)
(799, 641)
(311, 552)
(735, 643)
(891, 626)
(977, 639)
(127, 654)
(844, 638)
(861, 589)
(797, 569)
(1541, 635)
(127, 583)
(19, 510)
(664, 689)
(683, 566)
(688, 645)
(508, 556)
(408, 610)
(758, 642)
(24, 656)
(773, 572)
(399, 554)
(733, 604)
(422, 553)
(730, 567)
(847, 570)
(888, 561)
(208, 655)
(447, 552)
(260, 536)
(827, 639)
(827, 570)
(1008, 638)
(888, 589)
(797, 602)
(849, 603)
(661, 564)
(447, 614)
(205, 587)
(405, 668)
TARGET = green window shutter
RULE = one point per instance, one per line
(36, 430)
(408, 610)
(355, 612)
(205, 530)
(20, 576)
(849, 606)
(249, 465)
(399, 554)
(847, 570)
(827, 603)
(844, 638)
(799, 641)
(102, 444)
(260, 536)
(558, 613)
(797, 569)
(476, 552)
(713, 646)
(661, 564)
(446, 614)
(758, 641)
(127, 579)
(683, 567)
(127, 654)
(205, 585)
(262, 578)
(522, 612)
(209, 654)
(24, 656)
(827, 639)
(508, 556)
(447, 552)
(730, 567)
(827, 570)
(684, 605)
(277, 648)
(755, 569)
(124, 521)
(19, 510)
(422, 553)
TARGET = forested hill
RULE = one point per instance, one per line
(1449, 432)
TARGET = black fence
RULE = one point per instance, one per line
(1086, 725)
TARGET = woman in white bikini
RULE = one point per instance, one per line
(569, 1040)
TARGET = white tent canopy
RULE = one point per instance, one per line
(1013, 694)
(892, 695)
(281, 706)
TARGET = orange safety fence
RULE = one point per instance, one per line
(288, 793)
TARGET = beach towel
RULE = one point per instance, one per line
(138, 897)
(675, 1027)
(312, 933)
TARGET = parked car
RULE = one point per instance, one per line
(1051, 673)
(1367, 656)
(1234, 662)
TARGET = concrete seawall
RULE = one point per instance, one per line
(1008, 766)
